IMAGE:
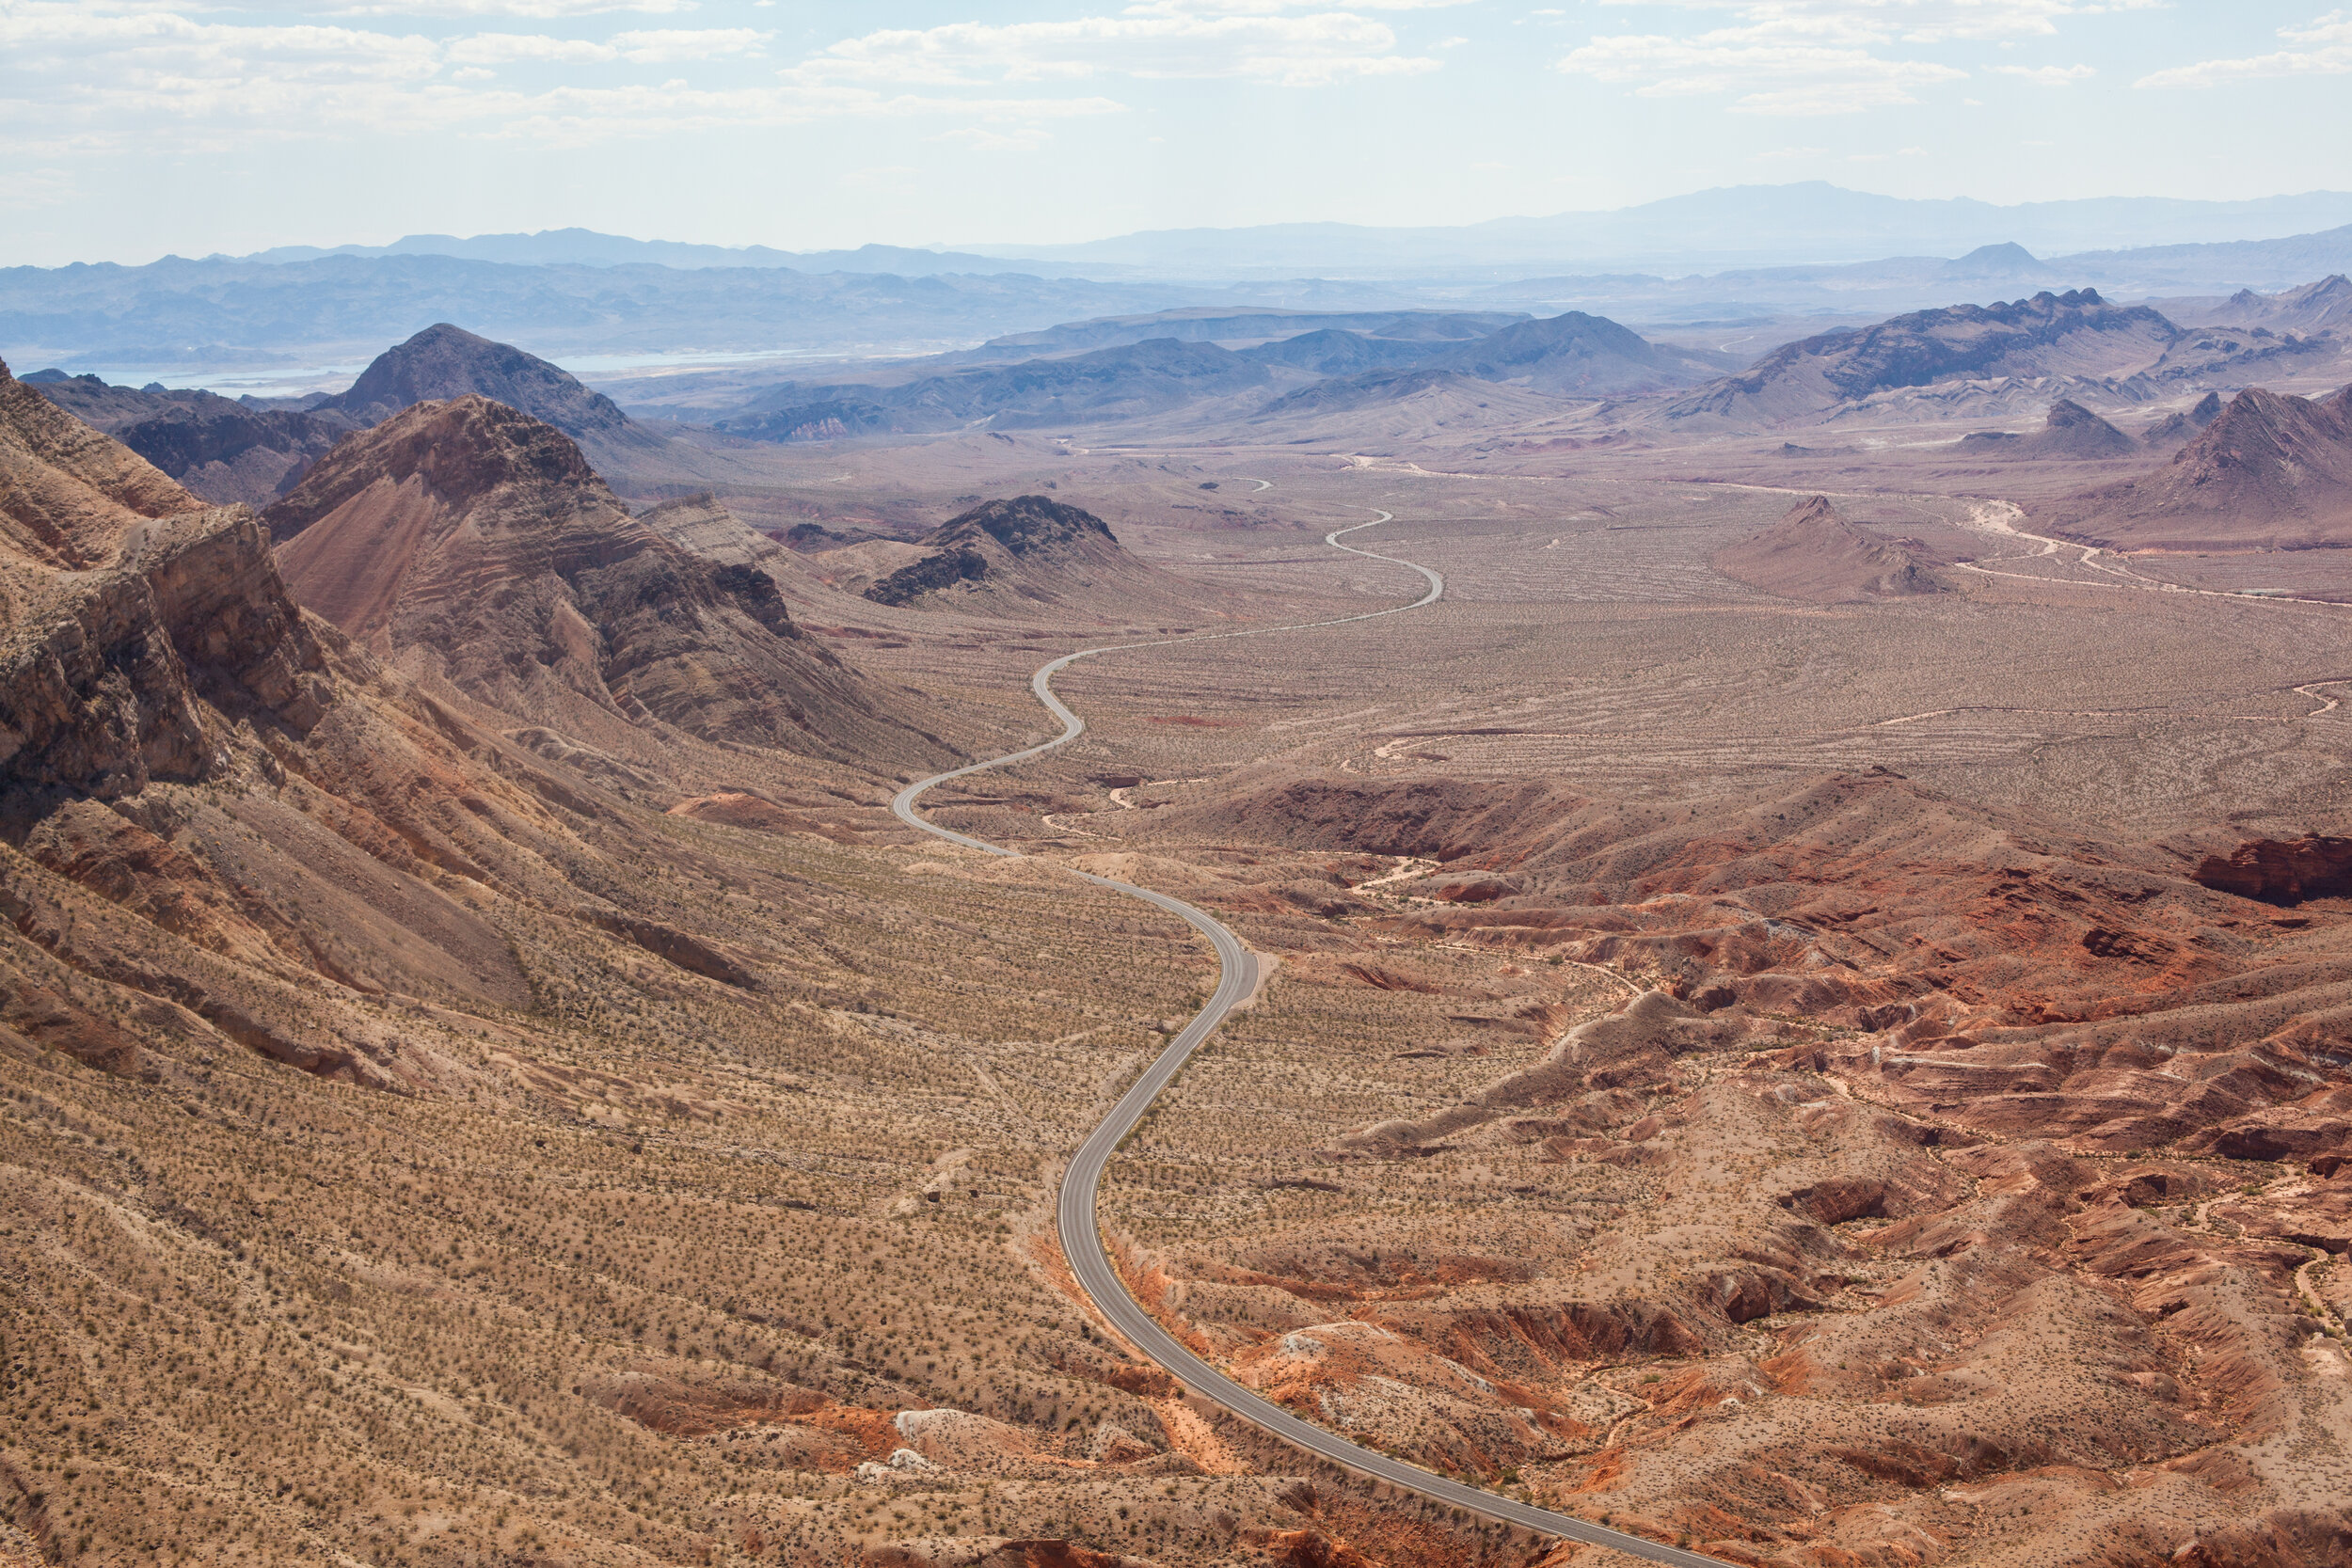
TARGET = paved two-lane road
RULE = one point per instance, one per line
(1237, 976)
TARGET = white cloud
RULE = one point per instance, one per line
(1784, 73)
(112, 78)
(1025, 138)
(1817, 57)
(694, 43)
(1917, 20)
(1168, 40)
(2048, 75)
(533, 10)
(2322, 47)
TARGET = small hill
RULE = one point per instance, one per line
(221, 451)
(2271, 471)
(1815, 554)
(1579, 356)
(1125, 382)
(444, 361)
(471, 542)
(1030, 547)
(2179, 426)
(2071, 432)
(2072, 334)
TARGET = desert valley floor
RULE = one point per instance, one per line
(1809, 1012)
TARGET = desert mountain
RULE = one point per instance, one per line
(2071, 432)
(471, 542)
(1119, 383)
(1030, 548)
(2270, 471)
(2072, 334)
(220, 449)
(1336, 351)
(1574, 354)
(2179, 425)
(1815, 554)
(1263, 328)
(256, 820)
(445, 361)
(1577, 354)
(2325, 306)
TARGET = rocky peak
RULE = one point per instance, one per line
(468, 450)
(1023, 525)
(443, 362)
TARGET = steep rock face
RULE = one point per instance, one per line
(219, 450)
(116, 583)
(2075, 333)
(2271, 471)
(1031, 546)
(2071, 432)
(445, 361)
(471, 543)
(1813, 553)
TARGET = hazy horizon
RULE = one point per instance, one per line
(141, 128)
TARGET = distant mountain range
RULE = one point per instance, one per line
(1807, 224)
(585, 248)
(1737, 225)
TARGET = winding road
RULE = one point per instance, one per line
(1081, 1239)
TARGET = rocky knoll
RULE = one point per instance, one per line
(467, 542)
(2071, 432)
(2270, 471)
(220, 449)
(1813, 553)
(2072, 334)
(1030, 548)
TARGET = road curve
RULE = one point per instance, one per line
(1237, 976)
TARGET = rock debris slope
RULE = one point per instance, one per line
(467, 542)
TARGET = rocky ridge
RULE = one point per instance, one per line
(467, 542)
(2271, 471)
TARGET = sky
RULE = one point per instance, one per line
(130, 129)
